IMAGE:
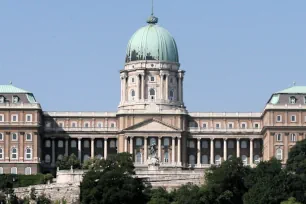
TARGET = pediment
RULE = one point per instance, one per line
(152, 125)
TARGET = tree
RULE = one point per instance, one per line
(290, 201)
(297, 158)
(160, 196)
(187, 194)
(114, 183)
(266, 183)
(68, 161)
(225, 183)
(93, 164)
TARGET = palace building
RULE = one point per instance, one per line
(151, 111)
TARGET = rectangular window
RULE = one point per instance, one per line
(14, 118)
(1, 118)
(28, 137)
(204, 125)
(1, 136)
(256, 125)
(279, 118)
(230, 126)
(14, 136)
(279, 137)
(29, 117)
(293, 118)
(218, 125)
(243, 126)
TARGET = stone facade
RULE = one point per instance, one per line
(151, 111)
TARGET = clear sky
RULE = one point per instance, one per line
(236, 53)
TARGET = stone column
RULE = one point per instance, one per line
(105, 147)
(159, 148)
(179, 89)
(181, 76)
(224, 149)
(199, 153)
(179, 162)
(161, 86)
(125, 144)
(251, 152)
(53, 151)
(238, 147)
(173, 150)
(145, 148)
(142, 86)
(92, 148)
(131, 145)
(138, 88)
(7, 147)
(167, 87)
(211, 150)
(80, 149)
(66, 146)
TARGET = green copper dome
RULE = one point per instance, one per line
(152, 42)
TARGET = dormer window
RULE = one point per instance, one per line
(2, 99)
(15, 99)
(292, 100)
(304, 99)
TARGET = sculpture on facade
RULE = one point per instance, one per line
(153, 161)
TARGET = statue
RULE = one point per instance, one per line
(153, 160)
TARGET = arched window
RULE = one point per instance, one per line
(218, 144)
(74, 124)
(204, 144)
(28, 153)
(132, 94)
(112, 144)
(1, 135)
(60, 144)
(138, 142)
(86, 144)
(14, 170)
(99, 144)
(1, 170)
(86, 157)
(191, 144)
(244, 144)
(256, 144)
(204, 159)
(28, 171)
(279, 154)
(138, 157)
(59, 157)
(86, 125)
(279, 137)
(152, 141)
(244, 159)
(47, 143)
(14, 137)
(256, 159)
(152, 94)
(47, 158)
(112, 125)
(293, 137)
(191, 159)
(166, 142)
(171, 95)
(1, 153)
(217, 159)
(166, 157)
(14, 153)
(28, 137)
(73, 144)
(230, 144)
(100, 125)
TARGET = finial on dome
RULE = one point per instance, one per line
(152, 19)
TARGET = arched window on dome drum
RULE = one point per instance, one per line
(171, 95)
(152, 94)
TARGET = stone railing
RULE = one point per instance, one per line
(20, 105)
(81, 129)
(199, 129)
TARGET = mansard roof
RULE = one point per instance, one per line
(293, 90)
(10, 89)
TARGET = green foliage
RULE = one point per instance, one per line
(33, 193)
(160, 196)
(297, 158)
(291, 200)
(48, 177)
(14, 181)
(42, 199)
(114, 183)
(69, 161)
(226, 183)
(93, 164)
(189, 194)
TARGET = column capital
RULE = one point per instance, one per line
(212, 139)
(105, 138)
(53, 138)
(251, 139)
(131, 137)
(79, 138)
(238, 139)
(21, 133)
(146, 137)
(199, 139)
(7, 133)
(225, 139)
(93, 138)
